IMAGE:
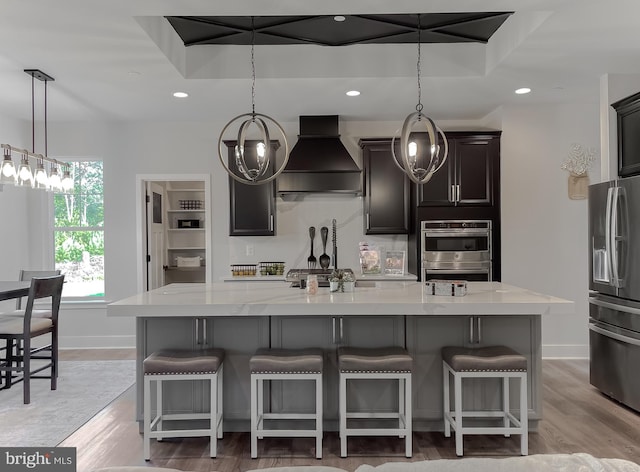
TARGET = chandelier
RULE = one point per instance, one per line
(421, 156)
(253, 153)
(24, 176)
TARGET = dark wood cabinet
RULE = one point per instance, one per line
(387, 190)
(252, 208)
(470, 177)
(628, 111)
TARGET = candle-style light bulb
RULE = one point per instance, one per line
(412, 149)
(8, 173)
(25, 177)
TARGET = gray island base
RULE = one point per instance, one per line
(242, 317)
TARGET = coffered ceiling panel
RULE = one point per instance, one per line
(325, 30)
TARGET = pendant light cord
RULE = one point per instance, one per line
(46, 153)
(253, 70)
(33, 116)
(419, 105)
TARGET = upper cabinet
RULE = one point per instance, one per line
(386, 190)
(471, 175)
(252, 208)
(628, 110)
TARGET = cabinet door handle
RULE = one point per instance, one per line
(271, 222)
(204, 331)
(341, 330)
(471, 330)
(368, 222)
(457, 193)
(479, 330)
(333, 329)
(197, 330)
(452, 194)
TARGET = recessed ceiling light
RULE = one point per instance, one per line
(353, 93)
(180, 94)
(523, 90)
(339, 18)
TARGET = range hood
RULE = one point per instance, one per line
(319, 162)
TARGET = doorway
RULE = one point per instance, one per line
(173, 221)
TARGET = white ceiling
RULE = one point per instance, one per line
(120, 60)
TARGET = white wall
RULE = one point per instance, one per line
(14, 212)
(544, 233)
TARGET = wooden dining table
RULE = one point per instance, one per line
(13, 289)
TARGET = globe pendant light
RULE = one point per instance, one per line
(420, 156)
(252, 157)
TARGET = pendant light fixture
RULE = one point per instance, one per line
(8, 174)
(253, 152)
(423, 155)
(25, 177)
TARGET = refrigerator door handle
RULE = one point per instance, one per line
(613, 306)
(612, 335)
(608, 232)
(613, 231)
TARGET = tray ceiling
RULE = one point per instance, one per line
(477, 27)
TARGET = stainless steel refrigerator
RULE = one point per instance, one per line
(614, 299)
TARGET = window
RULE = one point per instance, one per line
(79, 231)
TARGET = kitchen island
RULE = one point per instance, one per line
(242, 317)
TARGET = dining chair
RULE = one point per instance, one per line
(26, 275)
(23, 276)
(20, 328)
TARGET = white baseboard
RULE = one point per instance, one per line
(97, 342)
(565, 351)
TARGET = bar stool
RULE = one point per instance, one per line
(484, 362)
(284, 364)
(378, 364)
(168, 365)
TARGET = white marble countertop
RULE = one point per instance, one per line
(384, 298)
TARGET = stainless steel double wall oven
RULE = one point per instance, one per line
(456, 250)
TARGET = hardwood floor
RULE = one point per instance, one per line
(577, 418)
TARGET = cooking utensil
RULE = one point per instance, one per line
(335, 245)
(325, 260)
(311, 260)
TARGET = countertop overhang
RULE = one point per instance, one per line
(385, 298)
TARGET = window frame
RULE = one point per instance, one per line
(55, 229)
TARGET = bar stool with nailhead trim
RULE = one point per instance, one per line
(376, 363)
(484, 362)
(284, 364)
(167, 365)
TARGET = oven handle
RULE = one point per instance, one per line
(456, 234)
(612, 335)
(458, 271)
